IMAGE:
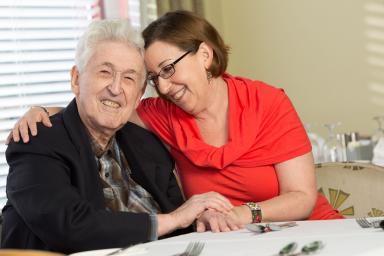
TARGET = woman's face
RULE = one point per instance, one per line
(188, 86)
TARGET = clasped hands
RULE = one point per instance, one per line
(217, 221)
(211, 211)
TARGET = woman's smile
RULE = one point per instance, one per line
(178, 94)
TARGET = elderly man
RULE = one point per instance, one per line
(93, 180)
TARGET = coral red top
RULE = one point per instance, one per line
(264, 129)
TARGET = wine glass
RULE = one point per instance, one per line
(333, 149)
(317, 143)
(379, 133)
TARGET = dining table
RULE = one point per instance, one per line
(338, 237)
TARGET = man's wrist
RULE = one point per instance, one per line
(165, 224)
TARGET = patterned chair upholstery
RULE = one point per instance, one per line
(355, 189)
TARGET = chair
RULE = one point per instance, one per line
(355, 189)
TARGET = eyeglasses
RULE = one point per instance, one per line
(165, 72)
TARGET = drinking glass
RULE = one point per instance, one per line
(379, 133)
(317, 143)
(333, 148)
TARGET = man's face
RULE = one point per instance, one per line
(109, 88)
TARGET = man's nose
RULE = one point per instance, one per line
(115, 85)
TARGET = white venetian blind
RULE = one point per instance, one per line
(141, 14)
(37, 47)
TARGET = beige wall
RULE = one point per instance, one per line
(316, 50)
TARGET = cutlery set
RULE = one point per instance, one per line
(195, 248)
(289, 249)
(365, 223)
(260, 228)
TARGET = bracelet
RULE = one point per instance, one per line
(256, 211)
(43, 108)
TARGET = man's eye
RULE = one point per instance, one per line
(105, 72)
(128, 78)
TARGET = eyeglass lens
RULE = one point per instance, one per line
(165, 72)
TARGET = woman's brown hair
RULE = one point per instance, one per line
(187, 31)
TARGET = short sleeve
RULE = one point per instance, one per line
(282, 135)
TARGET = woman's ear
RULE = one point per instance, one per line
(206, 53)
(75, 87)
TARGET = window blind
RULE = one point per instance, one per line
(37, 48)
(141, 13)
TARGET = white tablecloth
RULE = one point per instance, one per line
(341, 237)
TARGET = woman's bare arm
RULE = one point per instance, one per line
(298, 193)
(38, 114)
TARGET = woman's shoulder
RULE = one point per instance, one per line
(240, 81)
(261, 91)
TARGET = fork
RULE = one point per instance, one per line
(364, 223)
(193, 249)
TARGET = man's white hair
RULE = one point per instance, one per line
(106, 30)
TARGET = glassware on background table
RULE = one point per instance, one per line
(378, 142)
(360, 148)
(317, 143)
(333, 148)
(343, 139)
(379, 133)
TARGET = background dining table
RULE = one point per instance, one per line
(340, 237)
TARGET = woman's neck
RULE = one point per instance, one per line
(216, 101)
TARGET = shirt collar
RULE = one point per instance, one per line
(97, 149)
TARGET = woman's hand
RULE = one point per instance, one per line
(218, 221)
(28, 122)
(188, 212)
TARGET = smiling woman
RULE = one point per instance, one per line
(229, 134)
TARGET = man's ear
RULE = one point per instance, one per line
(206, 53)
(75, 87)
(140, 94)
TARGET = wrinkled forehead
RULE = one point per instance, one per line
(119, 55)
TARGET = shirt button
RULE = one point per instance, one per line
(107, 175)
